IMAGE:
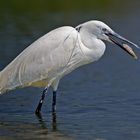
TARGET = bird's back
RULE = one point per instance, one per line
(41, 61)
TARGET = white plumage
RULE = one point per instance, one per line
(49, 58)
(56, 54)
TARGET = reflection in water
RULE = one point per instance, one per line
(43, 123)
(30, 130)
(54, 133)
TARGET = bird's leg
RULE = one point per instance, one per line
(54, 102)
(54, 121)
(38, 109)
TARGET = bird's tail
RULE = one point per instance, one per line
(2, 89)
(0, 84)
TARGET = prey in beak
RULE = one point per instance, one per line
(123, 43)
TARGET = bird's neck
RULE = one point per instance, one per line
(95, 46)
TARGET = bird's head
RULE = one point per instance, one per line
(103, 32)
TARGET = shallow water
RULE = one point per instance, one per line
(100, 101)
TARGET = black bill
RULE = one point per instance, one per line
(123, 43)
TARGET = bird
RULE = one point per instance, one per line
(47, 60)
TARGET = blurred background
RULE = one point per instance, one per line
(98, 101)
(24, 21)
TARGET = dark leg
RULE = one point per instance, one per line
(38, 109)
(54, 121)
(54, 102)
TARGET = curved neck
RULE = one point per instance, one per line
(90, 40)
(92, 43)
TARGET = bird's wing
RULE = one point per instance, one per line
(43, 59)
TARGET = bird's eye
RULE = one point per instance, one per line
(104, 29)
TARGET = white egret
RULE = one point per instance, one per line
(56, 54)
